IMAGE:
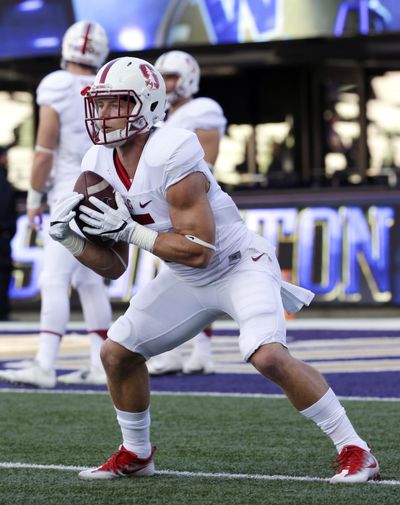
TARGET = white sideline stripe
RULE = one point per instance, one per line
(190, 393)
(176, 473)
(328, 323)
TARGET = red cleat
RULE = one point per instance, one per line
(123, 463)
(355, 465)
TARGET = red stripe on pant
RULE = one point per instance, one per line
(101, 333)
(208, 331)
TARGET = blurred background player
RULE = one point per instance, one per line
(205, 117)
(61, 143)
(8, 223)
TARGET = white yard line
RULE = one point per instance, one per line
(188, 393)
(207, 475)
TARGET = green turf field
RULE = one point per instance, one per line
(206, 436)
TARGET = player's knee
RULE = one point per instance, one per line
(118, 362)
(270, 360)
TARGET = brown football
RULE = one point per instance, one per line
(91, 184)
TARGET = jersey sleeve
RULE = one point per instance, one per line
(54, 90)
(184, 160)
(207, 114)
(89, 161)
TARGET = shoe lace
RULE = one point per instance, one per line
(351, 458)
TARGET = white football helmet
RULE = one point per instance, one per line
(186, 67)
(85, 43)
(141, 99)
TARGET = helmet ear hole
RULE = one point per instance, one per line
(153, 106)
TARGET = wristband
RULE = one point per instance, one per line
(42, 149)
(142, 237)
(74, 243)
(34, 199)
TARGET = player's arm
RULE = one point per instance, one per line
(107, 262)
(46, 143)
(192, 241)
(191, 216)
(110, 263)
(209, 140)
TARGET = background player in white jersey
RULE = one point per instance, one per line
(61, 142)
(216, 265)
(205, 117)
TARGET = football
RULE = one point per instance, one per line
(91, 184)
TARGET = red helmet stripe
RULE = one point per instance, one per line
(106, 70)
(86, 38)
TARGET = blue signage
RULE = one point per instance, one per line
(342, 254)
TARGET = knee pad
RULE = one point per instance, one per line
(123, 333)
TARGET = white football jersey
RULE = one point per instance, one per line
(170, 155)
(61, 90)
(199, 113)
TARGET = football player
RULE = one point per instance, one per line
(61, 142)
(205, 117)
(216, 266)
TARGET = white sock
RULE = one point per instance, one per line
(135, 428)
(331, 417)
(49, 345)
(95, 345)
(202, 344)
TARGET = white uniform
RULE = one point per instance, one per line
(199, 113)
(242, 280)
(61, 90)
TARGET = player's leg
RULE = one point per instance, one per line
(166, 363)
(161, 316)
(311, 396)
(200, 359)
(256, 304)
(97, 313)
(58, 266)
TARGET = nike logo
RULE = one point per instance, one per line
(143, 205)
(256, 258)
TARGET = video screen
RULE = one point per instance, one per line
(35, 27)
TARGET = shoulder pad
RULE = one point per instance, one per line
(164, 143)
(89, 160)
(58, 80)
(54, 90)
(204, 105)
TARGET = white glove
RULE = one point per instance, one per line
(60, 218)
(116, 224)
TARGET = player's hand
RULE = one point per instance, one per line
(116, 224)
(62, 215)
(35, 218)
(34, 208)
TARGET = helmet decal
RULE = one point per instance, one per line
(85, 43)
(151, 77)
